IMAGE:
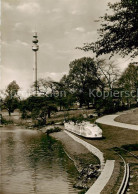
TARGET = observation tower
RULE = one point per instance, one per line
(35, 48)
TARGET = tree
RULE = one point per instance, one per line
(41, 106)
(119, 31)
(47, 89)
(82, 77)
(38, 107)
(12, 89)
(128, 83)
(12, 99)
(66, 98)
(109, 73)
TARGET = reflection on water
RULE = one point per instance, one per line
(33, 163)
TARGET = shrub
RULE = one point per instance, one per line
(52, 130)
(6, 122)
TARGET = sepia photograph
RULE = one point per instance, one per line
(68, 96)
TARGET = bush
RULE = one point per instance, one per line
(25, 115)
(52, 130)
(77, 119)
(6, 122)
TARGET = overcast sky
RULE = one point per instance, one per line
(61, 24)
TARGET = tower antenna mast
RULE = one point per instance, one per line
(35, 48)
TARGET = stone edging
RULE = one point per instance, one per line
(106, 168)
(90, 147)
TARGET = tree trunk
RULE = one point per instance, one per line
(9, 112)
(80, 104)
(44, 120)
(60, 107)
(128, 103)
(49, 114)
(88, 105)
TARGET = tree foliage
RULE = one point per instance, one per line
(39, 108)
(11, 100)
(82, 77)
(12, 89)
(129, 78)
(64, 97)
(129, 83)
(46, 87)
(119, 31)
(108, 72)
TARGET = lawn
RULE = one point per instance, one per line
(118, 137)
(129, 118)
(114, 137)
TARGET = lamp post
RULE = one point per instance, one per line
(35, 48)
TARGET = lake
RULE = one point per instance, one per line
(33, 163)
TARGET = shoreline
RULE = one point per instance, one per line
(87, 164)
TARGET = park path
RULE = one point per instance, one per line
(103, 179)
(106, 167)
(109, 120)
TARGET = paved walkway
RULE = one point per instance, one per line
(103, 179)
(107, 168)
(90, 147)
(109, 120)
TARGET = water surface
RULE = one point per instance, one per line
(32, 163)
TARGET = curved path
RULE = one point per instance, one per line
(90, 147)
(106, 168)
(103, 179)
(109, 120)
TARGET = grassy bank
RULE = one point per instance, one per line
(129, 118)
(117, 137)
(86, 163)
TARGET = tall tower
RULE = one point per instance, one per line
(35, 48)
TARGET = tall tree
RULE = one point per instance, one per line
(128, 83)
(82, 77)
(108, 72)
(46, 101)
(46, 87)
(11, 97)
(119, 31)
(12, 89)
(66, 98)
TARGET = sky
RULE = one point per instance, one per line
(62, 25)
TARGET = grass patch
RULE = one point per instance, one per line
(114, 137)
(129, 118)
